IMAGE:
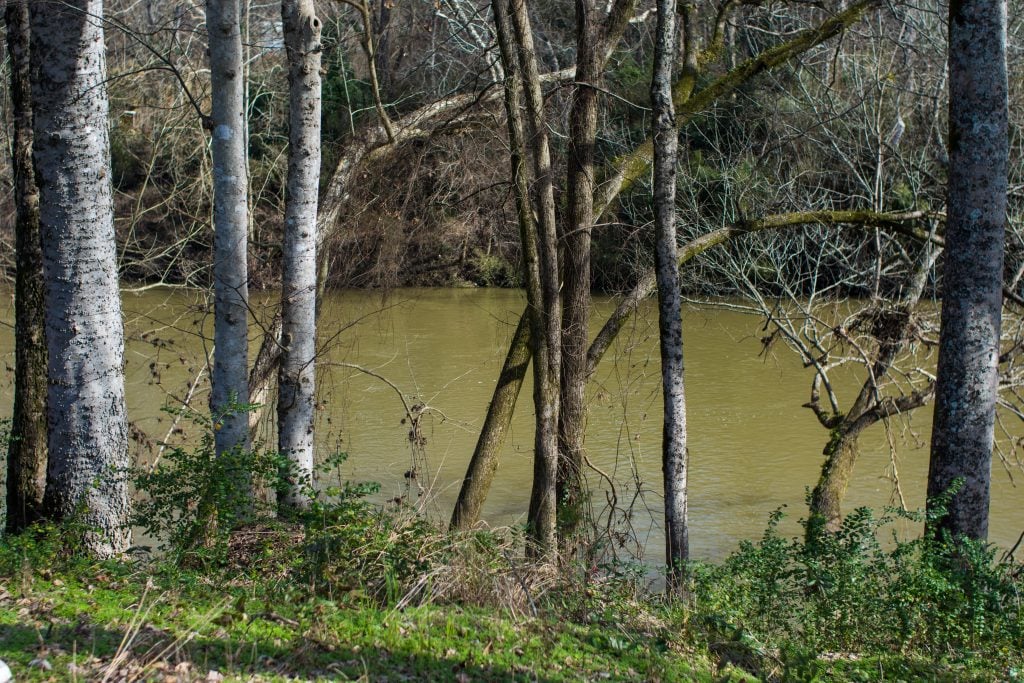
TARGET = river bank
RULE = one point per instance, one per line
(254, 615)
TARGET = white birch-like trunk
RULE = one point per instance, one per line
(296, 379)
(88, 431)
(670, 322)
(230, 226)
(966, 385)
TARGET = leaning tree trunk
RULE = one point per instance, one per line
(26, 453)
(230, 386)
(841, 451)
(88, 434)
(967, 376)
(624, 171)
(296, 380)
(670, 321)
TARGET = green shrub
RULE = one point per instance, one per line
(192, 499)
(845, 592)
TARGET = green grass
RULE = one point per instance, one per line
(385, 597)
(87, 620)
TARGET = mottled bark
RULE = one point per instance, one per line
(229, 377)
(547, 327)
(484, 463)
(670, 318)
(579, 222)
(827, 498)
(967, 376)
(88, 434)
(26, 453)
(296, 380)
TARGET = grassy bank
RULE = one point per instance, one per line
(254, 611)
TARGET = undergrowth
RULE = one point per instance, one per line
(861, 604)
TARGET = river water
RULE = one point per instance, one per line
(753, 448)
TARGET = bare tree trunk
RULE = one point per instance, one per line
(594, 39)
(827, 498)
(547, 352)
(297, 380)
(967, 376)
(484, 463)
(26, 453)
(670, 312)
(88, 433)
(230, 225)
(572, 413)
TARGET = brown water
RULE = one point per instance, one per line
(753, 448)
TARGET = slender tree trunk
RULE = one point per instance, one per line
(26, 453)
(576, 264)
(547, 352)
(622, 172)
(230, 226)
(967, 376)
(296, 381)
(484, 463)
(670, 320)
(88, 432)
(525, 342)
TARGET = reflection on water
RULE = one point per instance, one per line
(752, 447)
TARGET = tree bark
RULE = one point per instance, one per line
(541, 517)
(484, 463)
(967, 376)
(576, 233)
(297, 380)
(841, 451)
(26, 453)
(88, 433)
(230, 386)
(670, 321)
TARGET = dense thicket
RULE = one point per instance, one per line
(855, 123)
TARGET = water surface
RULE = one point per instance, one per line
(753, 448)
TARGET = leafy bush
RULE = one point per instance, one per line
(846, 592)
(354, 548)
(192, 499)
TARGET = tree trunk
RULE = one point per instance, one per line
(230, 386)
(88, 432)
(576, 262)
(26, 453)
(967, 376)
(841, 452)
(484, 463)
(296, 381)
(670, 321)
(541, 518)
(827, 498)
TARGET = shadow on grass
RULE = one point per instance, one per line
(84, 651)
